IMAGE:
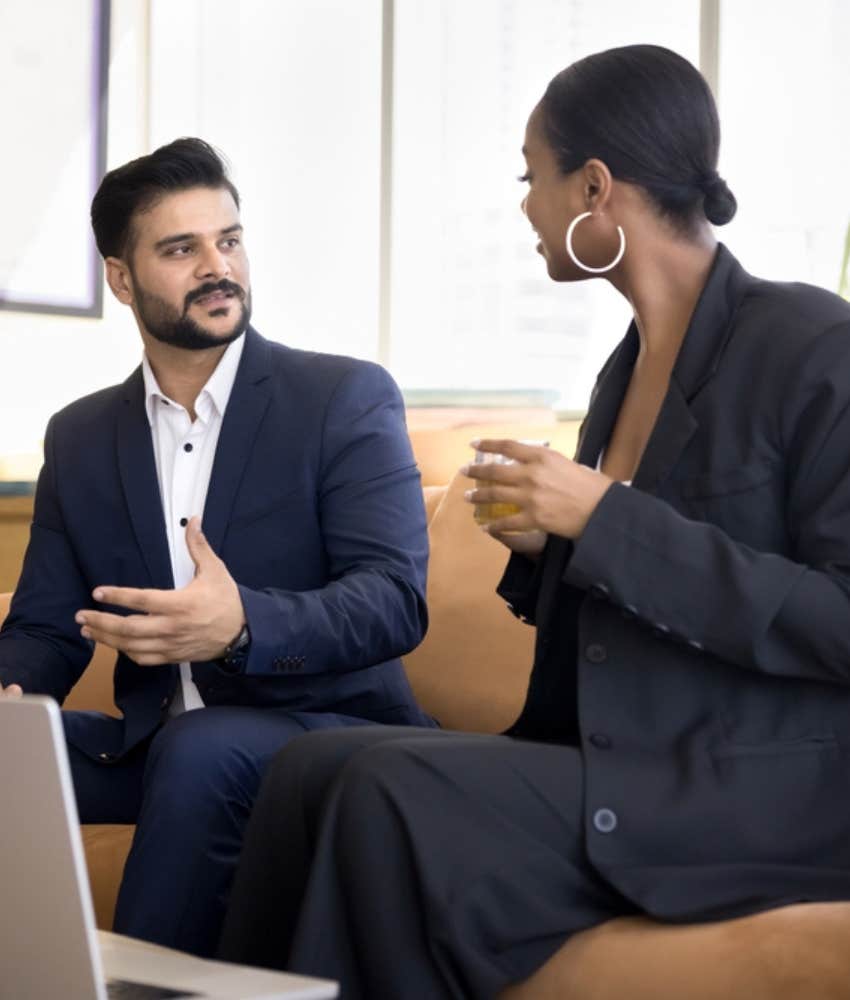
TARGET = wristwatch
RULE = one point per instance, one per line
(236, 653)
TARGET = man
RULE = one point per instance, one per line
(286, 612)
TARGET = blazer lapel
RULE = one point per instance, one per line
(673, 429)
(606, 398)
(700, 354)
(595, 430)
(246, 407)
(137, 469)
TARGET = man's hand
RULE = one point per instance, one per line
(10, 691)
(195, 623)
(555, 495)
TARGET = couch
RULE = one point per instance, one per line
(471, 673)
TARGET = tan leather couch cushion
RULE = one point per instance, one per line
(471, 671)
(106, 848)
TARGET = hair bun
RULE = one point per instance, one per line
(719, 204)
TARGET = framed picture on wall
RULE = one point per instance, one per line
(54, 66)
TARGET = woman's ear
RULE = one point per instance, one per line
(597, 185)
(119, 280)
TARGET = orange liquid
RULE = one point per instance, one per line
(486, 512)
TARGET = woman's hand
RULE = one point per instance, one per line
(524, 543)
(555, 495)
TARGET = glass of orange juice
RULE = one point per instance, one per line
(484, 513)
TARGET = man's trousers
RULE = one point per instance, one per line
(189, 789)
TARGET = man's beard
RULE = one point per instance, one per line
(163, 322)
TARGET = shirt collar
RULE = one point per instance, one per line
(215, 394)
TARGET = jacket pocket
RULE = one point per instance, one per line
(776, 748)
(722, 483)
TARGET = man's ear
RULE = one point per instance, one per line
(597, 185)
(119, 279)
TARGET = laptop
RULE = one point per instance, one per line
(49, 945)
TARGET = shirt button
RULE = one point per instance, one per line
(605, 820)
(596, 653)
(600, 740)
(629, 612)
(184, 521)
(187, 447)
(599, 591)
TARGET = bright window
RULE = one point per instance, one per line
(472, 305)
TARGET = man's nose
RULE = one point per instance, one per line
(213, 263)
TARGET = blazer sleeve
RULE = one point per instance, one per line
(375, 536)
(780, 615)
(40, 645)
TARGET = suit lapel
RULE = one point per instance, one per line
(708, 333)
(606, 398)
(137, 469)
(673, 429)
(246, 407)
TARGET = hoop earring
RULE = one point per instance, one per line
(584, 267)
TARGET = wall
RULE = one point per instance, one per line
(46, 361)
(308, 173)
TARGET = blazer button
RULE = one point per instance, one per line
(107, 758)
(596, 653)
(599, 591)
(629, 612)
(695, 645)
(605, 820)
(601, 741)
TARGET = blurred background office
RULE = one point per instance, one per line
(376, 145)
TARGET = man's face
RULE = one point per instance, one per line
(188, 274)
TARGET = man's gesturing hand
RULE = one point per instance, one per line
(10, 691)
(195, 623)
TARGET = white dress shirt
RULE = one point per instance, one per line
(184, 451)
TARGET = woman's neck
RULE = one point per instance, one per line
(662, 281)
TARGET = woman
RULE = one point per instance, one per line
(682, 752)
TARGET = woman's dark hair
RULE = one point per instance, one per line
(136, 186)
(648, 114)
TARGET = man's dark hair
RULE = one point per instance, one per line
(139, 184)
(649, 115)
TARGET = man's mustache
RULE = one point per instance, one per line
(214, 286)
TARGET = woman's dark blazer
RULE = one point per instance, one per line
(698, 632)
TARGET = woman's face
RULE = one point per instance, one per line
(552, 201)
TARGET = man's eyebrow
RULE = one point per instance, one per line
(168, 240)
(183, 237)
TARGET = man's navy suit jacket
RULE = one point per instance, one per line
(314, 505)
